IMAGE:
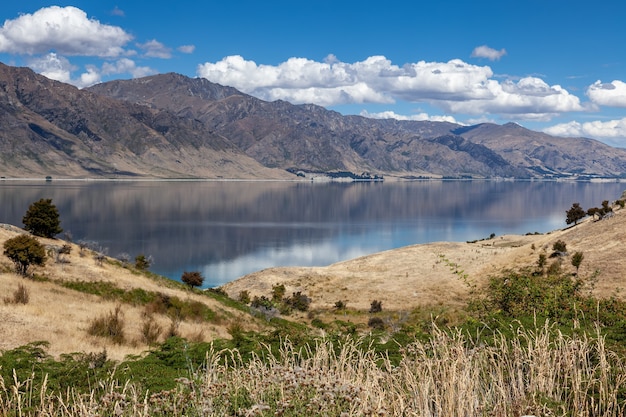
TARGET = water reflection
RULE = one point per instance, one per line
(228, 229)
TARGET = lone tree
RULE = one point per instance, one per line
(577, 259)
(193, 279)
(42, 219)
(24, 251)
(575, 213)
(143, 262)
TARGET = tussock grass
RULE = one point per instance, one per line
(539, 372)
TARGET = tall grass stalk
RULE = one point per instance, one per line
(539, 372)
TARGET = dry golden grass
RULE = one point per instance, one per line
(434, 273)
(541, 372)
(61, 316)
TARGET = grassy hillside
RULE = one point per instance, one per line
(67, 295)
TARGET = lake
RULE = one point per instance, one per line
(226, 229)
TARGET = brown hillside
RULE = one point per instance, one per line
(61, 316)
(431, 274)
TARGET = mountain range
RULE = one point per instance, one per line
(172, 126)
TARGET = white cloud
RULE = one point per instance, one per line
(413, 117)
(454, 86)
(608, 94)
(187, 49)
(64, 30)
(528, 98)
(52, 66)
(59, 68)
(155, 49)
(491, 54)
(126, 66)
(612, 131)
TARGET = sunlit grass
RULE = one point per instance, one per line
(539, 372)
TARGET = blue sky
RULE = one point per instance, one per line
(552, 65)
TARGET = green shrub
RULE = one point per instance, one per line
(24, 251)
(559, 246)
(298, 301)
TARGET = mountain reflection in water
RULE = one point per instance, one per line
(227, 229)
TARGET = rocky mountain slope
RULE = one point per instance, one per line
(309, 137)
(52, 128)
(172, 126)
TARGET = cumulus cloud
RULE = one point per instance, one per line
(413, 117)
(155, 49)
(454, 86)
(491, 54)
(613, 131)
(126, 66)
(528, 98)
(187, 49)
(608, 94)
(63, 30)
(59, 68)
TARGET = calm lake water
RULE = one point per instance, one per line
(229, 229)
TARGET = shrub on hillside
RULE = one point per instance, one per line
(143, 262)
(193, 279)
(298, 301)
(24, 251)
(110, 326)
(376, 323)
(376, 306)
(20, 296)
(244, 297)
(559, 246)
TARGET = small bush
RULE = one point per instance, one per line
(340, 305)
(20, 296)
(110, 326)
(559, 246)
(554, 268)
(278, 292)
(193, 279)
(150, 331)
(143, 262)
(376, 306)
(298, 301)
(376, 323)
(24, 251)
(244, 297)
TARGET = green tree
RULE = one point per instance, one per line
(193, 279)
(575, 213)
(142, 262)
(24, 251)
(42, 219)
(577, 259)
